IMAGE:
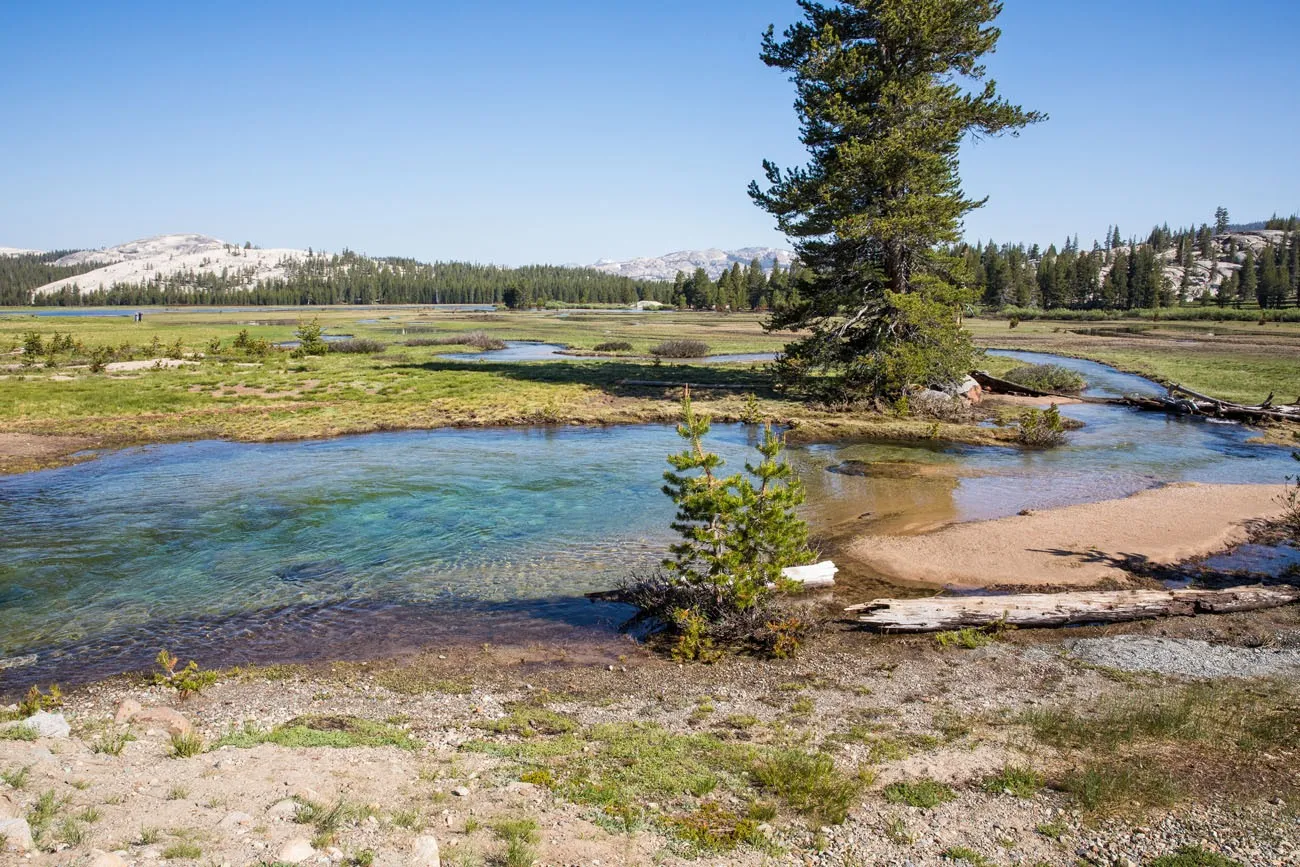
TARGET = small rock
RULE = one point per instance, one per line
(425, 852)
(296, 851)
(8, 809)
(460, 792)
(172, 720)
(285, 809)
(17, 834)
(334, 853)
(234, 820)
(306, 793)
(107, 859)
(126, 709)
(46, 724)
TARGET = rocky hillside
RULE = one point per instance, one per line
(144, 259)
(713, 260)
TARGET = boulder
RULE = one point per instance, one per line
(126, 709)
(234, 820)
(286, 809)
(46, 724)
(425, 852)
(172, 720)
(296, 851)
(970, 391)
(17, 834)
(107, 859)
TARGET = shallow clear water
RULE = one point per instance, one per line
(236, 552)
(516, 350)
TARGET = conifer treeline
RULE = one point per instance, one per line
(348, 278)
(19, 275)
(1212, 268)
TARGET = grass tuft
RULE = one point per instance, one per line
(923, 793)
(321, 731)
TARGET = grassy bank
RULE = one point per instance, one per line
(227, 392)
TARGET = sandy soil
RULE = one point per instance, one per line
(1093, 543)
(20, 452)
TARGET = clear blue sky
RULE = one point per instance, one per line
(518, 132)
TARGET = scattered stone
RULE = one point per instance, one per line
(425, 852)
(173, 720)
(17, 834)
(460, 792)
(1183, 656)
(306, 793)
(128, 708)
(234, 820)
(296, 851)
(107, 859)
(285, 809)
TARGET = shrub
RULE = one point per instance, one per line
(188, 681)
(252, 345)
(1047, 377)
(680, 349)
(614, 346)
(186, 746)
(99, 357)
(357, 345)
(924, 793)
(35, 700)
(1289, 499)
(1042, 428)
(112, 743)
(737, 533)
(1015, 780)
(310, 341)
(809, 783)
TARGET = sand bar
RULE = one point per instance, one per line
(1075, 545)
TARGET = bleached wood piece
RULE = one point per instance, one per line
(937, 613)
(813, 575)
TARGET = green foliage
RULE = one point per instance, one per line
(520, 837)
(310, 341)
(1289, 500)
(19, 732)
(322, 731)
(737, 536)
(357, 346)
(36, 700)
(712, 828)
(970, 638)
(1015, 780)
(1046, 377)
(255, 346)
(16, 778)
(528, 720)
(810, 784)
(924, 793)
(967, 855)
(1193, 856)
(613, 346)
(1117, 786)
(680, 349)
(1041, 427)
(693, 642)
(183, 849)
(881, 192)
(185, 745)
(188, 681)
(112, 743)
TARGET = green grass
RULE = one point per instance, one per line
(16, 777)
(1122, 786)
(923, 793)
(966, 855)
(520, 838)
(1193, 856)
(20, 732)
(621, 768)
(183, 850)
(1017, 780)
(969, 638)
(322, 731)
(111, 743)
(529, 720)
(185, 746)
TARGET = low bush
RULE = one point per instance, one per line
(1046, 377)
(613, 346)
(357, 345)
(477, 339)
(680, 349)
(1042, 427)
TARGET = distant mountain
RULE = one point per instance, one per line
(18, 251)
(162, 255)
(713, 260)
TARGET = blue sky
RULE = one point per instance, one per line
(519, 132)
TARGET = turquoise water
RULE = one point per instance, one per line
(238, 552)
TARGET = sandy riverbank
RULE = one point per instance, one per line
(1076, 545)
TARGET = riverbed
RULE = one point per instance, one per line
(237, 552)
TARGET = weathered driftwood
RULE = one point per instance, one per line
(997, 385)
(813, 575)
(1062, 609)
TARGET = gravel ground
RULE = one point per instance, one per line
(1183, 657)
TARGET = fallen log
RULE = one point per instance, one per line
(937, 613)
(996, 385)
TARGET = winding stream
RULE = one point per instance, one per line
(360, 545)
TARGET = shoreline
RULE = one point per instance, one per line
(1089, 544)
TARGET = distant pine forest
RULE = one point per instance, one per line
(1188, 268)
